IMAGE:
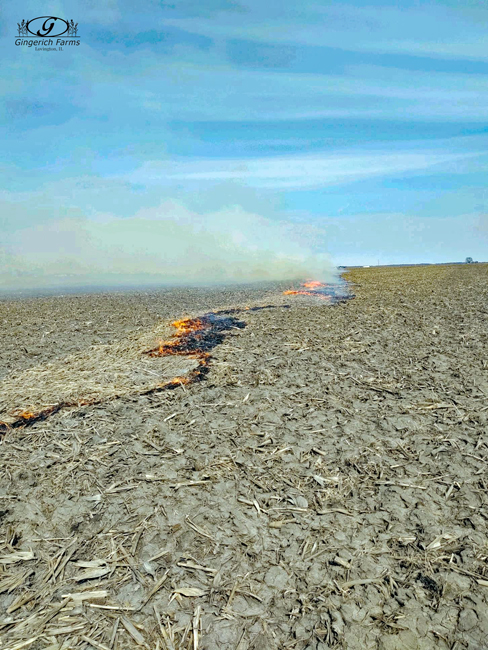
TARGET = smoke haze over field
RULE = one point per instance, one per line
(363, 121)
(165, 245)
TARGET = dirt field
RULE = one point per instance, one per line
(324, 487)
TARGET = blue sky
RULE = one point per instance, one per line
(358, 129)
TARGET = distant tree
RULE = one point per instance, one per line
(469, 260)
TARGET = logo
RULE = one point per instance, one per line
(47, 26)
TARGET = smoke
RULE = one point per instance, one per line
(166, 245)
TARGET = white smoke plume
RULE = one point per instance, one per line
(165, 246)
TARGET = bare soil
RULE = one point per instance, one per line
(325, 486)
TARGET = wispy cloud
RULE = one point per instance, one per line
(456, 31)
(183, 90)
(300, 171)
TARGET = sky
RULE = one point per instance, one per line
(243, 140)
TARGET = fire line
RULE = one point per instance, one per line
(195, 338)
(332, 293)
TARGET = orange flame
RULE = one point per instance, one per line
(26, 415)
(185, 327)
(312, 285)
(179, 381)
